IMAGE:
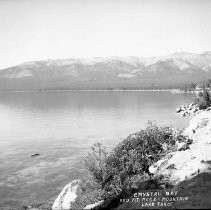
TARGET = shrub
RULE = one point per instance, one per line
(127, 165)
(135, 154)
(203, 100)
(95, 163)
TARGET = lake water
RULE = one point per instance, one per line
(62, 126)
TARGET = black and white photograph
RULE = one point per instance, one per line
(105, 104)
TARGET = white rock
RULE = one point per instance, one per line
(182, 146)
(156, 166)
(187, 164)
(208, 109)
(199, 126)
(67, 196)
(91, 206)
(178, 110)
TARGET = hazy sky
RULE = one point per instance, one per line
(41, 29)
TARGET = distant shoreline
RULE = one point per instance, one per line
(115, 90)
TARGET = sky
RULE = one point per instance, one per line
(53, 29)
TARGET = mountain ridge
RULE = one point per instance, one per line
(146, 60)
(108, 72)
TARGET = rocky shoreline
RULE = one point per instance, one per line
(191, 158)
(190, 109)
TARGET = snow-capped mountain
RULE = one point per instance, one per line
(110, 72)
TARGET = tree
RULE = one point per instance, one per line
(203, 99)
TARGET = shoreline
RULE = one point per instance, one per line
(100, 90)
(185, 165)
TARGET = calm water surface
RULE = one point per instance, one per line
(62, 126)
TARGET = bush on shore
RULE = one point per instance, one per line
(127, 165)
(203, 100)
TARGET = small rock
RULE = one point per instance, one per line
(195, 110)
(178, 110)
(208, 109)
(182, 146)
(184, 114)
(35, 155)
(155, 167)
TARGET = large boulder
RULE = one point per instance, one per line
(185, 164)
(67, 196)
(200, 127)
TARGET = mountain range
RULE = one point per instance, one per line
(169, 71)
